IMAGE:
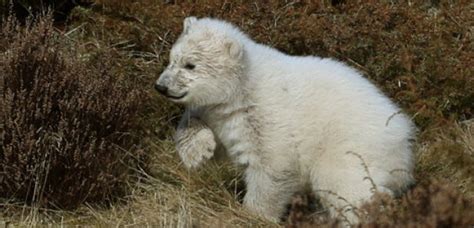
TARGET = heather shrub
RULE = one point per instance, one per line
(25, 8)
(430, 204)
(67, 125)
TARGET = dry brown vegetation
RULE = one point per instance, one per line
(420, 53)
(66, 122)
(22, 9)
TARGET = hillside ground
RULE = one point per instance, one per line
(420, 54)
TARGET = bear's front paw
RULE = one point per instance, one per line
(197, 148)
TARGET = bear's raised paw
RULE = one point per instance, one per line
(196, 147)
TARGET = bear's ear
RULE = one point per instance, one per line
(187, 23)
(234, 48)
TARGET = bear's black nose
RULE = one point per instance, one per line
(161, 89)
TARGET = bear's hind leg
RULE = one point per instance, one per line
(342, 184)
(268, 194)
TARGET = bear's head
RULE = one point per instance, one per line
(205, 64)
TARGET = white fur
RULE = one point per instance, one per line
(292, 121)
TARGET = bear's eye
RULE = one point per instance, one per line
(189, 66)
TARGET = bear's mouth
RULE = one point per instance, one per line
(176, 97)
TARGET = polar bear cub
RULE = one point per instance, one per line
(291, 121)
